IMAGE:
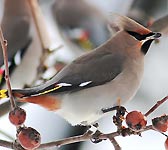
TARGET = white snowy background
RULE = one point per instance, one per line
(153, 88)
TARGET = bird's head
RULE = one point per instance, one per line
(145, 39)
(138, 32)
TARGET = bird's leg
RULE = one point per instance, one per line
(120, 109)
(118, 117)
(106, 110)
(95, 137)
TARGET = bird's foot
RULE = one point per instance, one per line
(95, 137)
(106, 110)
(118, 117)
(120, 109)
(93, 130)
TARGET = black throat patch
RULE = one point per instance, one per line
(146, 46)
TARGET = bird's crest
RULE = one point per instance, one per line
(119, 22)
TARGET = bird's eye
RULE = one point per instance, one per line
(139, 36)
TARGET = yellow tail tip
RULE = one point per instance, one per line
(3, 93)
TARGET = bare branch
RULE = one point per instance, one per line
(40, 24)
(115, 144)
(5, 55)
(66, 141)
(88, 136)
(6, 144)
(156, 106)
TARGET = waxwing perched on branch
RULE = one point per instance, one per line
(95, 81)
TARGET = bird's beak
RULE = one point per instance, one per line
(155, 35)
(152, 36)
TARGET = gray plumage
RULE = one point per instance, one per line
(96, 80)
(99, 66)
(160, 25)
(15, 25)
(70, 14)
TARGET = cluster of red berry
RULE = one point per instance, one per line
(27, 137)
(136, 121)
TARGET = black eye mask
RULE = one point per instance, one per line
(139, 36)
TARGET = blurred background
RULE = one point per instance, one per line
(69, 29)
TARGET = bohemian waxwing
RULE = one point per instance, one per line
(140, 11)
(15, 25)
(160, 25)
(95, 81)
(85, 21)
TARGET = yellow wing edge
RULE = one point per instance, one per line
(50, 90)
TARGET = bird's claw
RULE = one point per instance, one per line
(95, 137)
(95, 133)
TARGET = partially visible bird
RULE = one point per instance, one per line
(81, 22)
(15, 25)
(160, 25)
(140, 11)
(95, 81)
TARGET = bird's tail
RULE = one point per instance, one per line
(4, 94)
(26, 95)
(28, 92)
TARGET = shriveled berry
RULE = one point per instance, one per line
(136, 121)
(166, 144)
(160, 123)
(29, 138)
(17, 116)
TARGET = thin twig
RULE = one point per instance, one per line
(66, 141)
(39, 24)
(86, 137)
(156, 106)
(164, 134)
(6, 144)
(5, 55)
(115, 144)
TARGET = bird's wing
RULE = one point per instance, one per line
(93, 69)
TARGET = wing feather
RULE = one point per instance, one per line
(92, 69)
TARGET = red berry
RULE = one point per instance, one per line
(29, 138)
(17, 116)
(166, 144)
(160, 123)
(136, 120)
